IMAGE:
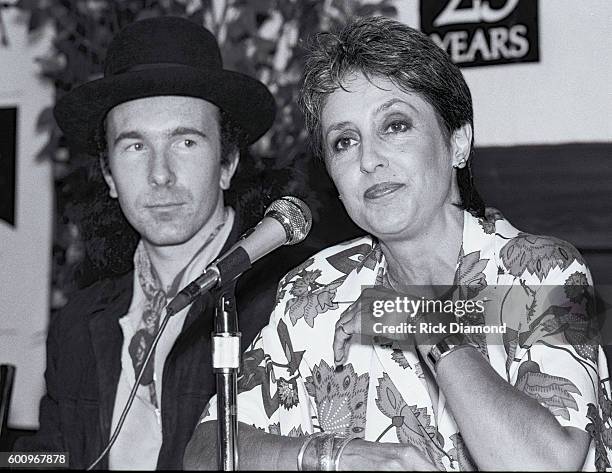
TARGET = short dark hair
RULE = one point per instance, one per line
(379, 46)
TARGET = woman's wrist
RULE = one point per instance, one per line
(322, 451)
(444, 347)
(431, 328)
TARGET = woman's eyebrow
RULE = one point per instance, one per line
(380, 108)
(337, 126)
(389, 103)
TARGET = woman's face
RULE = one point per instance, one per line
(388, 156)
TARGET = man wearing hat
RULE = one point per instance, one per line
(167, 122)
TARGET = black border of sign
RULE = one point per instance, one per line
(8, 163)
(430, 9)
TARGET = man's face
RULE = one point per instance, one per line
(165, 166)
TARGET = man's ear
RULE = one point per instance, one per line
(461, 144)
(228, 170)
(110, 182)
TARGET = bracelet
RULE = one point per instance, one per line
(325, 448)
(328, 446)
(448, 345)
(300, 457)
(452, 350)
(328, 449)
(345, 441)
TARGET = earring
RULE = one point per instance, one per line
(460, 164)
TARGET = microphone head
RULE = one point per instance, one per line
(294, 215)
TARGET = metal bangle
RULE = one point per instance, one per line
(325, 450)
(345, 441)
(300, 457)
(448, 352)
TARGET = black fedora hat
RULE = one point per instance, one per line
(164, 56)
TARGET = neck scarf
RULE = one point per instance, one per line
(156, 300)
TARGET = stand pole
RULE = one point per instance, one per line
(226, 364)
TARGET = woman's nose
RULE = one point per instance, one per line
(161, 171)
(371, 157)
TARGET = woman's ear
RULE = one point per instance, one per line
(110, 182)
(461, 144)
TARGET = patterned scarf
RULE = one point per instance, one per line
(156, 300)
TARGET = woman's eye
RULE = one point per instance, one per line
(136, 147)
(344, 143)
(189, 143)
(397, 127)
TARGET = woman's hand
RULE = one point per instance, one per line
(263, 451)
(365, 317)
(387, 315)
(370, 456)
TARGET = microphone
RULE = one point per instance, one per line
(286, 221)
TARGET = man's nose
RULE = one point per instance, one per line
(372, 157)
(161, 172)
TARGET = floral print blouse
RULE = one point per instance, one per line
(288, 385)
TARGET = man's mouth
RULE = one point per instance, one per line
(382, 189)
(164, 205)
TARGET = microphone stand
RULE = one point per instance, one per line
(226, 364)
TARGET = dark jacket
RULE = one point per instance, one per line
(84, 364)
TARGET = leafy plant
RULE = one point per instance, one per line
(262, 38)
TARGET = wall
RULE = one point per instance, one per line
(564, 98)
(544, 130)
(25, 249)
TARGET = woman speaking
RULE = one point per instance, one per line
(332, 384)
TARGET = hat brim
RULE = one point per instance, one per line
(246, 100)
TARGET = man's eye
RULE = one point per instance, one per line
(186, 143)
(397, 127)
(344, 143)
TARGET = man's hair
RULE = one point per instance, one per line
(379, 46)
